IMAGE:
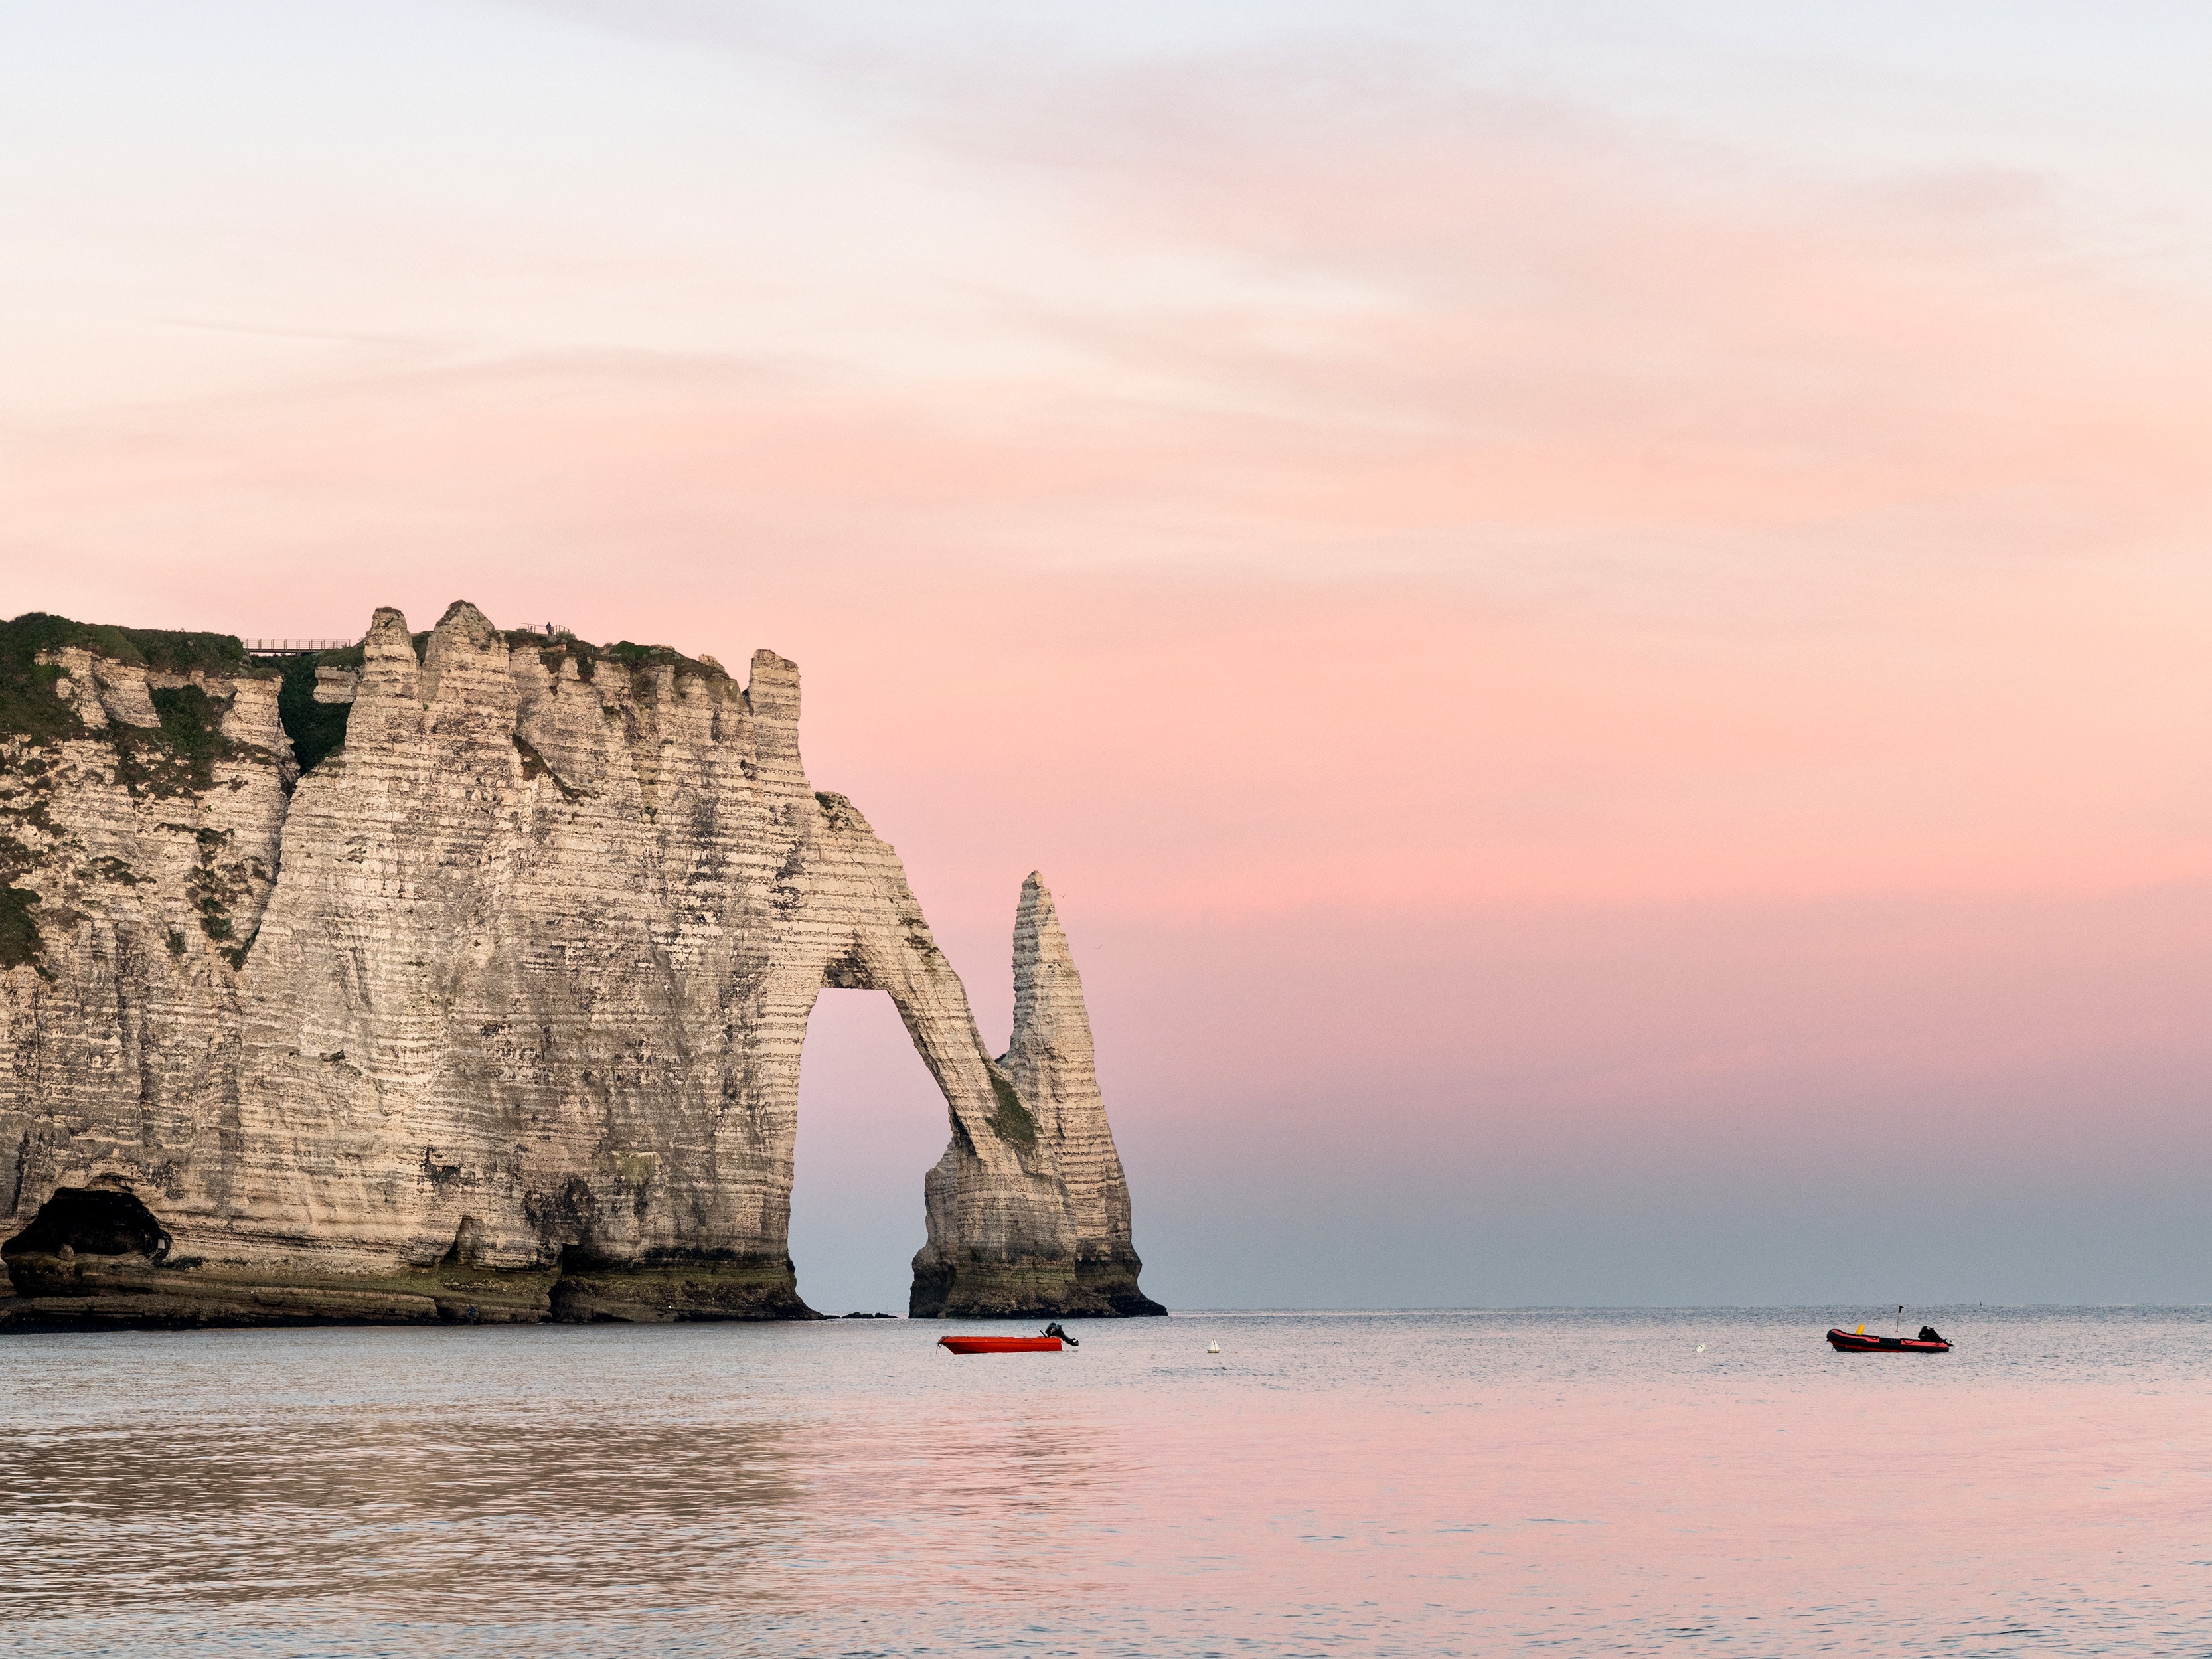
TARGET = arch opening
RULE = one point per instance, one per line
(872, 1119)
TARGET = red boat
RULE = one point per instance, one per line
(1000, 1344)
(1860, 1342)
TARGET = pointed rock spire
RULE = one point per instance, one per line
(385, 706)
(1053, 1067)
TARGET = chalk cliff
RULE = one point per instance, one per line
(493, 1012)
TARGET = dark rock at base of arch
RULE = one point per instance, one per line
(1114, 1284)
(669, 1291)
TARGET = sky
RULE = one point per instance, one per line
(1594, 610)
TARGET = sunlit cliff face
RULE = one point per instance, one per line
(1625, 585)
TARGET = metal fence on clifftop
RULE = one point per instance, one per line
(293, 648)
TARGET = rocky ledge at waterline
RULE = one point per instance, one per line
(464, 976)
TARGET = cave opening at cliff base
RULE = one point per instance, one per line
(90, 1221)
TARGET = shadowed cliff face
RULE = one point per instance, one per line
(499, 1009)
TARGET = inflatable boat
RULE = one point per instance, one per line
(1860, 1342)
(1000, 1344)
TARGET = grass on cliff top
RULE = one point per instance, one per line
(28, 705)
(633, 657)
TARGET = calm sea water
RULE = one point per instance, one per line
(1355, 1484)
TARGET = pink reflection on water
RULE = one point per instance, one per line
(1637, 1496)
(1358, 1484)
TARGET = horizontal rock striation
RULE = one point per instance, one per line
(493, 1013)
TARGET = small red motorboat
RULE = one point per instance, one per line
(1046, 1341)
(1860, 1342)
(1000, 1344)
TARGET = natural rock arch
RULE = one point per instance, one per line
(1045, 1104)
(527, 958)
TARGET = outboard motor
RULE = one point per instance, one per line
(1054, 1329)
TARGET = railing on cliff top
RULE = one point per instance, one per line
(302, 648)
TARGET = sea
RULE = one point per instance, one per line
(1677, 1481)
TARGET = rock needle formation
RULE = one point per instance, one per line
(465, 976)
(1051, 1068)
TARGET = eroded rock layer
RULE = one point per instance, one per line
(494, 1012)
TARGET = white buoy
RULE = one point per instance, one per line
(1213, 1347)
(1701, 1347)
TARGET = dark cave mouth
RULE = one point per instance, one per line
(91, 1221)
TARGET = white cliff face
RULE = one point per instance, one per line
(142, 874)
(518, 1033)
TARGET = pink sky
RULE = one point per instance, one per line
(1569, 610)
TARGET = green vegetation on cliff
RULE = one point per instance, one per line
(28, 705)
(178, 757)
(19, 932)
(1012, 1121)
(317, 729)
(191, 727)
